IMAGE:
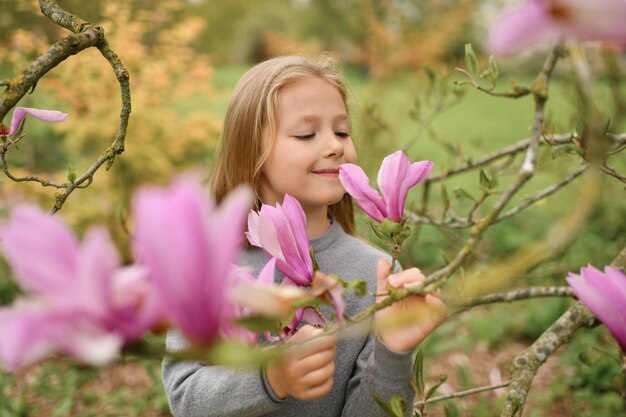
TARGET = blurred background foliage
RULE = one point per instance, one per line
(184, 58)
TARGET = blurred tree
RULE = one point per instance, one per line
(165, 135)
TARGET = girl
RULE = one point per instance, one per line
(287, 131)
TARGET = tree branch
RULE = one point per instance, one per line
(85, 35)
(506, 151)
(461, 394)
(19, 85)
(54, 12)
(520, 294)
(527, 363)
(540, 94)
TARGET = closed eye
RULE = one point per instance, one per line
(305, 137)
(343, 134)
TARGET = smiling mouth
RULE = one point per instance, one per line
(327, 172)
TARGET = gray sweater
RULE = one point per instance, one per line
(363, 365)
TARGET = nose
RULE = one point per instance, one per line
(333, 146)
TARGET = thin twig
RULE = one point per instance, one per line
(465, 393)
(613, 173)
(436, 111)
(456, 222)
(520, 294)
(520, 146)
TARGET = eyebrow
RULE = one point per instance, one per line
(314, 118)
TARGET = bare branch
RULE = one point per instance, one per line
(85, 35)
(527, 363)
(460, 223)
(465, 393)
(19, 85)
(54, 12)
(520, 146)
(613, 173)
(521, 294)
(540, 94)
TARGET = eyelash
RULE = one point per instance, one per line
(312, 135)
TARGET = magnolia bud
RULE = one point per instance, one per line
(389, 226)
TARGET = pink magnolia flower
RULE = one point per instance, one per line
(188, 246)
(396, 176)
(538, 20)
(250, 295)
(281, 232)
(330, 289)
(45, 115)
(80, 302)
(605, 295)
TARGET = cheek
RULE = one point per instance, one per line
(350, 154)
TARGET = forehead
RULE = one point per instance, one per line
(310, 96)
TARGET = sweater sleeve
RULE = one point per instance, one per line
(196, 390)
(381, 372)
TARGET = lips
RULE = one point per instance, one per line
(327, 172)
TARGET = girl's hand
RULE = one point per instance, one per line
(404, 324)
(306, 370)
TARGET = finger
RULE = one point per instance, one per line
(382, 274)
(308, 340)
(316, 361)
(319, 391)
(305, 332)
(319, 376)
(436, 302)
(315, 346)
(406, 279)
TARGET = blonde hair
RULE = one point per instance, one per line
(252, 109)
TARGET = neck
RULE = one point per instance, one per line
(316, 221)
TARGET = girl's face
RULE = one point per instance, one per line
(312, 140)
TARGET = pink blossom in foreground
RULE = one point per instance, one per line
(79, 301)
(538, 20)
(281, 232)
(250, 296)
(396, 176)
(45, 115)
(604, 293)
(331, 290)
(187, 246)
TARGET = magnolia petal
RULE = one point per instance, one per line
(520, 28)
(25, 324)
(392, 173)
(38, 330)
(292, 265)
(89, 344)
(45, 115)
(266, 276)
(416, 173)
(187, 264)
(136, 307)
(297, 220)
(41, 249)
(229, 223)
(339, 303)
(596, 292)
(252, 234)
(619, 279)
(357, 184)
(97, 261)
(598, 19)
(327, 286)
(310, 316)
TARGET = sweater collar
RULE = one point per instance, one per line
(329, 237)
